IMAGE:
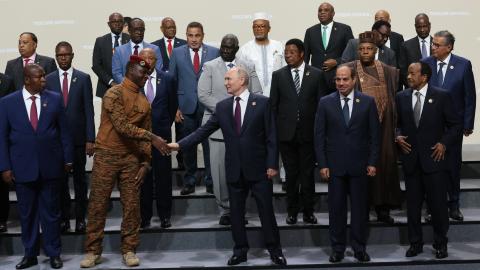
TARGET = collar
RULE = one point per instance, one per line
(113, 36)
(154, 74)
(244, 95)
(350, 96)
(166, 39)
(199, 49)
(446, 60)
(129, 85)
(26, 95)
(233, 62)
(140, 45)
(69, 71)
(422, 91)
(427, 39)
(329, 25)
(300, 68)
(32, 58)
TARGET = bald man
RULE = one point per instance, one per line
(395, 39)
(169, 41)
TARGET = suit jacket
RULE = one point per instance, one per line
(161, 44)
(252, 152)
(409, 53)
(438, 123)
(14, 68)
(396, 41)
(385, 54)
(121, 56)
(33, 154)
(6, 85)
(459, 82)
(296, 112)
(211, 87)
(102, 61)
(181, 67)
(79, 109)
(347, 149)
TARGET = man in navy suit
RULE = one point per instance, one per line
(160, 92)
(121, 56)
(35, 152)
(427, 127)
(347, 148)
(186, 66)
(169, 41)
(251, 159)
(454, 74)
(75, 87)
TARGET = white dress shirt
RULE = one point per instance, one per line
(119, 39)
(69, 77)
(192, 54)
(28, 102)
(446, 61)
(243, 103)
(428, 44)
(140, 46)
(350, 102)
(423, 94)
(301, 70)
(165, 40)
(154, 83)
(328, 31)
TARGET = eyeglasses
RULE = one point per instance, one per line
(436, 45)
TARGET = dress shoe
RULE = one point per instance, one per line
(455, 214)
(209, 189)
(278, 259)
(3, 227)
(336, 257)
(64, 226)
(310, 219)
(385, 219)
(225, 220)
(362, 256)
(56, 262)
(80, 226)
(428, 218)
(291, 220)
(145, 224)
(187, 190)
(234, 260)
(414, 250)
(441, 252)
(27, 262)
(165, 223)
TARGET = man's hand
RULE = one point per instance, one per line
(467, 132)
(271, 173)
(371, 171)
(329, 64)
(325, 173)
(174, 146)
(179, 117)
(438, 152)
(68, 167)
(160, 144)
(404, 146)
(142, 172)
(89, 149)
(8, 177)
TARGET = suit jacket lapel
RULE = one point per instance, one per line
(427, 104)
(288, 75)
(450, 71)
(188, 59)
(333, 34)
(44, 107)
(248, 112)
(407, 100)
(338, 106)
(356, 103)
(24, 114)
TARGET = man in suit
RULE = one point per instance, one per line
(160, 92)
(103, 52)
(6, 85)
(296, 90)
(27, 47)
(169, 41)
(395, 40)
(35, 152)
(251, 159)
(211, 90)
(454, 74)
(121, 56)
(346, 147)
(186, 66)
(417, 47)
(75, 87)
(325, 43)
(427, 128)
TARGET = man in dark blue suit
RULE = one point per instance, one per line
(160, 92)
(75, 87)
(347, 137)
(35, 152)
(454, 74)
(251, 159)
(169, 41)
(427, 127)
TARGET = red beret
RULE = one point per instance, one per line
(139, 60)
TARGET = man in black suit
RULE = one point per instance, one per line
(103, 51)
(294, 95)
(169, 41)
(251, 159)
(325, 42)
(417, 47)
(424, 134)
(347, 149)
(75, 87)
(27, 47)
(395, 40)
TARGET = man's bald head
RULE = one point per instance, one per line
(382, 15)
(148, 54)
(115, 22)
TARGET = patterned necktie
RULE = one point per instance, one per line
(346, 110)
(324, 36)
(25, 61)
(33, 113)
(424, 49)
(238, 115)
(196, 61)
(116, 44)
(135, 52)
(230, 66)
(150, 95)
(417, 109)
(440, 74)
(65, 88)
(296, 80)
(169, 47)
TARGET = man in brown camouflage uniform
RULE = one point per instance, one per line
(122, 153)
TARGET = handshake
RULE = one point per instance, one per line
(164, 147)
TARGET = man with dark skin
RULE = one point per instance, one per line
(169, 41)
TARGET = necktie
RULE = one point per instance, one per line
(169, 47)
(116, 44)
(196, 61)
(324, 36)
(238, 115)
(230, 66)
(346, 110)
(65, 88)
(25, 61)
(417, 109)
(296, 80)
(33, 113)
(150, 95)
(424, 49)
(135, 52)
(440, 74)
(265, 66)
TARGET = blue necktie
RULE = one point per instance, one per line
(424, 49)
(440, 74)
(346, 111)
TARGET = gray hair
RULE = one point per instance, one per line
(231, 36)
(243, 74)
(449, 38)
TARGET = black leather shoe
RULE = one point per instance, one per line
(385, 219)
(27, 262)
(56, 262)
(145, 224)
(310, 219)
(455, 214)
(278, 259)
(414, 250)
(291, 220)
(209, 189)
(234, 260)
(3, 227)
(441, 252)
(362, 256)
(187, 190)
(80, 226)
(64, 226)
(428, 218)
(284, 186)
(336, 257)
(165, 223)
(225, 220)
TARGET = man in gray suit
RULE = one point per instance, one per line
(211, 90)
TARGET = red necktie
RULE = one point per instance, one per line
(65, 88)
(26, 60)
(135, 52)
(169, 47)
(33, 113)
(196, 61)
(238, 116)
